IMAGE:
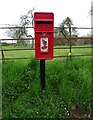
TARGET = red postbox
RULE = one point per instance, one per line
(44, 35)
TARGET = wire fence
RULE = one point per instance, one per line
(70, 47)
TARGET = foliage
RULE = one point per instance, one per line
(67, 84)
(65, 29)
(5, 44)
(91, 11)
(21, 31)
(28, 18)
(67, 22)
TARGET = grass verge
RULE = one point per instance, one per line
(68, 85)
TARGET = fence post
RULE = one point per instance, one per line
(70, 41)
(2, 53)
(32, 42)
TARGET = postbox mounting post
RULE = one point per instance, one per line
(42, 73)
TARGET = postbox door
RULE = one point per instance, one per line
(44, 38)
(44, 46)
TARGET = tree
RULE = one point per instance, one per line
(91, 11)
(28, 18)
(17, 33)
(21, 31)
(67, 31)
(61, 30)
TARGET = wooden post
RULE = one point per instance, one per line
(42, 73)
(3, 58)
(70, 41)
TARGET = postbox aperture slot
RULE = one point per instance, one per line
(44, 26)
(44, 22)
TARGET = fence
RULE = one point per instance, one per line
(88, 40)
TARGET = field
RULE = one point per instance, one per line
(68, 86)
(57, 52)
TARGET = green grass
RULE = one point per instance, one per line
(68, 83)
(31, 53)
(18, 53)
(0, 90)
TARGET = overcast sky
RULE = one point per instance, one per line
(77, 10)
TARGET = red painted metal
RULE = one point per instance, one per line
(44, 35)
